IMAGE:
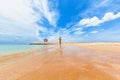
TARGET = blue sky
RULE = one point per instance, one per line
(25, 21)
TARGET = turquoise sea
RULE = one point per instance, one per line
(11, 49)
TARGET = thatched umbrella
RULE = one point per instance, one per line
(45, 40)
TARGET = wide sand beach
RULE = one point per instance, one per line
(73, 61)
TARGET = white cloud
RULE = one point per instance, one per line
(78, 28)
(45, 10)
(99, 7)
(17, 10)
(94, 32)
(90, 21)
(95, 21)
(53, 38)
(102, 3)
(43, 29)
(110, 16)
(17, 19)
(79, 32)
(13, 30)
(21, 11)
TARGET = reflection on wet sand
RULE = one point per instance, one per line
(65, 63)
(61, 51)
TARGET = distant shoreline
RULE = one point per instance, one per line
(56, 43)
(44, 43)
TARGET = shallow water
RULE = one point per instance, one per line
(11, 49)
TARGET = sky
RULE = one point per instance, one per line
(26, 21)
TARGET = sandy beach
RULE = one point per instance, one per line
(78, 61)
(101, 46)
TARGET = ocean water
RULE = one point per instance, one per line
(11, 49)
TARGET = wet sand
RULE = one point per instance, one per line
(66, 63)
(101, 46)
